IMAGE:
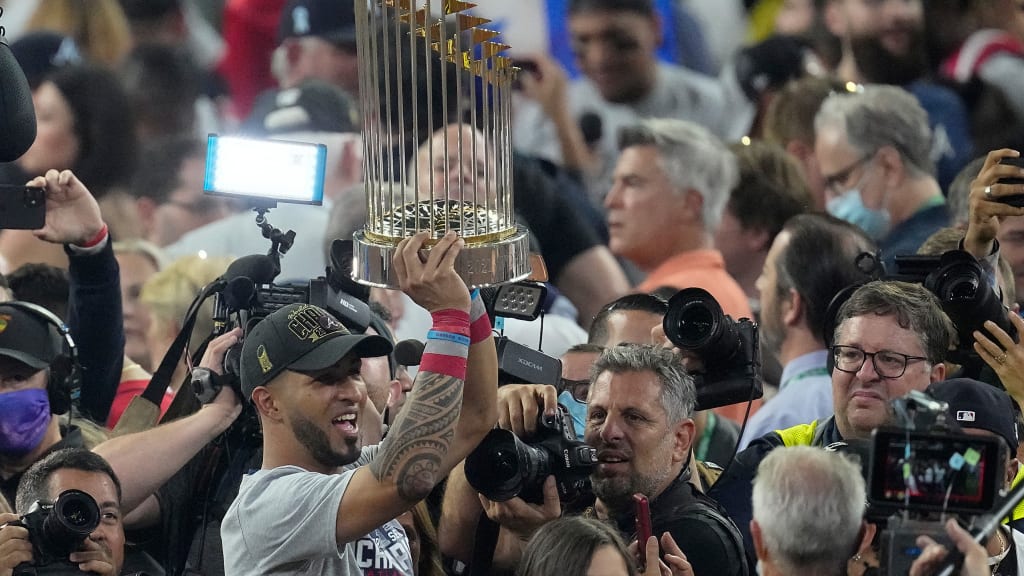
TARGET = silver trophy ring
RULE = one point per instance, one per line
(988, 192)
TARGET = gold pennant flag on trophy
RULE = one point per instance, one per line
(468, 22)
(481, 35)
(456, 6)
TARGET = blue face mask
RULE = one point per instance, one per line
(578, 411)
(850, 207)
(26, 415)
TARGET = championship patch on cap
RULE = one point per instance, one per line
(312, 323)
(965, 416)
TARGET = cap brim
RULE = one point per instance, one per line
(24, 358)
(345, 36)
(328, 353)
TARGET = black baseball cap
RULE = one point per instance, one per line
(28, 338)
(312, 106)
(975, 404)
(332, 20)
(301, 337)
(42, 52)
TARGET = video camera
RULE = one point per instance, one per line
(290, 172)
(962, 287)
(56, 530)
(729, 348)
(503, 467)
(922, 469)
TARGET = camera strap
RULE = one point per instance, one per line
(483, 547)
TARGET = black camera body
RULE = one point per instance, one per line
(518, 364)
(244, 303)
(503, 467)
(961, 284)
(921, 470)
(729, 348)
(56, 530)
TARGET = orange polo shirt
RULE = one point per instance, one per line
(705, 269)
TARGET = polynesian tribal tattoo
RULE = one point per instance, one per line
(421, 436)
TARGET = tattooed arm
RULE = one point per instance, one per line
(416, 455)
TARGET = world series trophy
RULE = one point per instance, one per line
(451, 170)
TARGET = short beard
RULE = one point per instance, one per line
(877, 65)
(616, 492)
(319, 445)
(771, 339)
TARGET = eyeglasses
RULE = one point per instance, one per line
(578, 389)
(887, 364)
(836, 182)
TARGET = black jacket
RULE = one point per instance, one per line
(709, 539)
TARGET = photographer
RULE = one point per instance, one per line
(640, 421)
(983, 410)
(890, 338)
(102, 552)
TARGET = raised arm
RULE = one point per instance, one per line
(73, 219)
(418, 451)
(146, 460)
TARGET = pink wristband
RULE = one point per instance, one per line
(454, 366)
(480, 330)
(451, 320)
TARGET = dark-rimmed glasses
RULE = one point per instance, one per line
(836, 183)
(578, 389)
(888, 364)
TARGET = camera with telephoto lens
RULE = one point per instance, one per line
(56, 530)
(728, 348)
(962, 287)
(503, 467)
(923, 469)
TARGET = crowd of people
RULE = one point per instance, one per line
(844, 174)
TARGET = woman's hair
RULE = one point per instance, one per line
(99, 27)
(104, 125)
(564, 548)
(170, 291)
(430, 552)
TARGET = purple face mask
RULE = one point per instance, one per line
(24, 416)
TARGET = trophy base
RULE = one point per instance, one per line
(506, 260)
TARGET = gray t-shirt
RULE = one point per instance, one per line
(677, 93)
(283, 522)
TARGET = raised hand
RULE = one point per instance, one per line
(432, 282)
(72, 214)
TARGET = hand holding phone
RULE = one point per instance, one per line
(22, 207)
(1016, 200)
(643, 519)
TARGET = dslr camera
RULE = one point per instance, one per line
(503, 467)
(962, 286)
(729, 348)
(56, 530)
(921, 470)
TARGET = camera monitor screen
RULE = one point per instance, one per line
(934, 472)
(273, 170)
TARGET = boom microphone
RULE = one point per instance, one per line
(258, 268)
(239, 293)
(17, 114)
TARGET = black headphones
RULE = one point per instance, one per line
(65, 380)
